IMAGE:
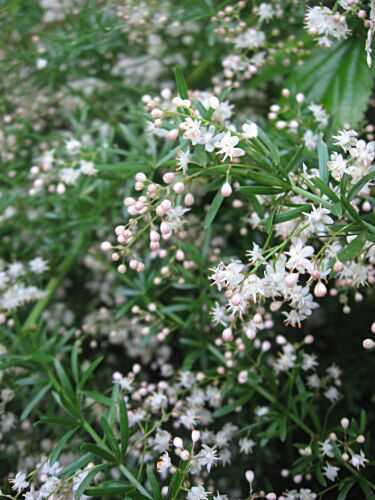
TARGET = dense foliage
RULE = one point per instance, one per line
(187, 249)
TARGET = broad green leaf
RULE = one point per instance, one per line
(353, 249)
(339, 79)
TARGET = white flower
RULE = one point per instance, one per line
(246, 445)
(192, 130)
(164, 464)
(325, 25)
(299, 255)
(326, 448)
(38, 265)
(358, 460)
(207, 457)
(311, 140)
(19, 482)
(332, 394)
(320, 114)
(331, 472)
(197, 493)
(72, 146)
(250, 130)
(318, 219)
(337, 166)
(250, 39)
(345, 139)
(183, 158)
(87, 168)
(227, 147)
(219, 316)
(69, 175)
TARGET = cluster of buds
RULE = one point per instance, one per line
(156, 210)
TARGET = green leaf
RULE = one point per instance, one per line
(291, 214)
(213, 210)
(110, 437)
(261, 190)
(353, 249)
(124, 426)
(85, 483)
(108, 488)
(339, 79)
(345, 487)
(61, 444)
(181, 85)
(80, 463)
(89, 371)
(34, 401)
(154, 483)
(325, 189)
(323, 159)
(99, 451)
(135, 482)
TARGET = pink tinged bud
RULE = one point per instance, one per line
(368, 344)
(227, 334)
(140, 267)
(115, 257)
(249, 475)
(105, 246)
(172, 134)
(156, 113)
(139, 205)
(338, 267)
(169, 177)
(189, 200)
(320, 290)
(140, 177)
(373, 327)
(165, 227)
(128, 202)
(195, 436)
(159, 211)
(179, 187)
(242, 377)
(139, 186)
(315, 275)
(291, 280)
(119, 230)
(152, 189)
(257, 318)
(178, 443)
(154, 245)
(121, 268)
(366, 206)
(180, 255)
(133, 264)
(154, 235)
(275, 306)
(166, 205)
(166, 236)
(122, 240)
(236, 299)
(226, 189)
